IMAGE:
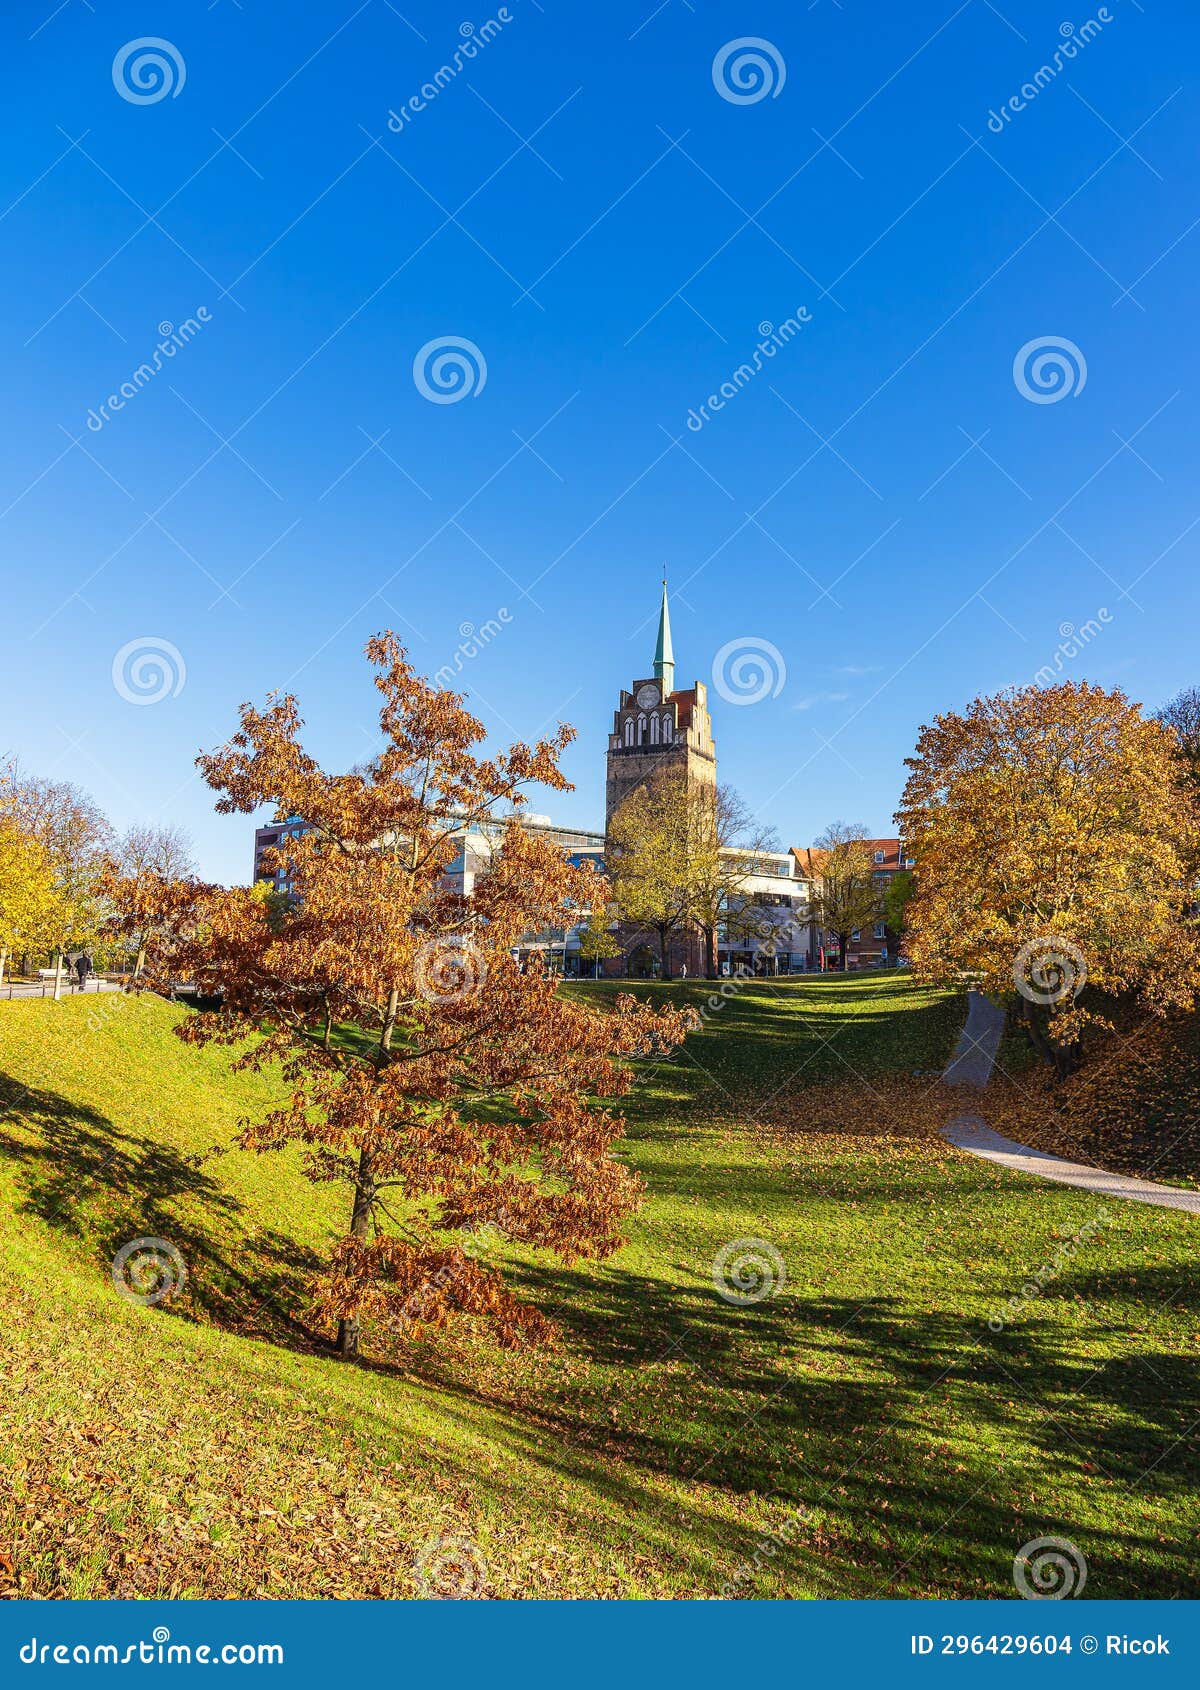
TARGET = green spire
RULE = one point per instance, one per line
(664, 655)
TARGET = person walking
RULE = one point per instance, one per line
(83, 967)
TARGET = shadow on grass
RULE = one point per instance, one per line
(84, 1177)
(894, 1429)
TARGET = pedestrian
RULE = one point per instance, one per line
(83, 967)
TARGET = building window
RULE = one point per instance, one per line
(879, 856)
(641, 730)
(629, 730)
(654, 730)
(666, 731)
(856, 935)
(880, 930)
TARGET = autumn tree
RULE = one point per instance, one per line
(472, 1096)
(649, 860)
(148, 863)
(597, 941)
(77, 837)
(1052, 830)
(1181, 718)
(32, 913)
(896, 896)
(727, 847)
(846, 897)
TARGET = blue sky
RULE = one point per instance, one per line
(880, 503)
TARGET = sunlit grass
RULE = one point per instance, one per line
(209, 1446)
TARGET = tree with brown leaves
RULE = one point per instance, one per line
(846, 897)
(1052, 828)
(464, 1094)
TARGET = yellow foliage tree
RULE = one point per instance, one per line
(32, 911)
(1053, 829)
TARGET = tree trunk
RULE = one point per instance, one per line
(140, 963)
(57, 976)
(844, 942)
(364, 1191)
(663, 953)
(3, 960)
(360, 1223)
(710, 952)
(1061, 1058)
(328, 1029)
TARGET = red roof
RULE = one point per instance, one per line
(809, 858)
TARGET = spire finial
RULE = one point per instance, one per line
(664, 655)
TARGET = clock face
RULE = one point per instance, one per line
(646, 696)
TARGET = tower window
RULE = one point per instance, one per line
(641, 730)
(666, 730)
(629, 730)
(654, 730)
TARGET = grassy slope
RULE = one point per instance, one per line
(204, 1448)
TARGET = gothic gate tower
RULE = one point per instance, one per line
(656, 728)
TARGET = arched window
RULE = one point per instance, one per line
(641, 730)
(629, 730)
(654, 730)
(666, 730)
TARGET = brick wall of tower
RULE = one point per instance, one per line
(652, 734)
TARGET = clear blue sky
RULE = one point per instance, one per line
(583, 205)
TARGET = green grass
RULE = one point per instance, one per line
(864, 1413)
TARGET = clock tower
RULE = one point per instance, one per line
(656, 729)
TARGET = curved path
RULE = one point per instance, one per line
(971, 1065)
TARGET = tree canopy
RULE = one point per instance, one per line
(466, 1098)
(1052, 829)
(846, 896)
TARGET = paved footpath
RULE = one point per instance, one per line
(971, 1065)
(45, 988)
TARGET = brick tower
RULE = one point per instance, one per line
(656, 728)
